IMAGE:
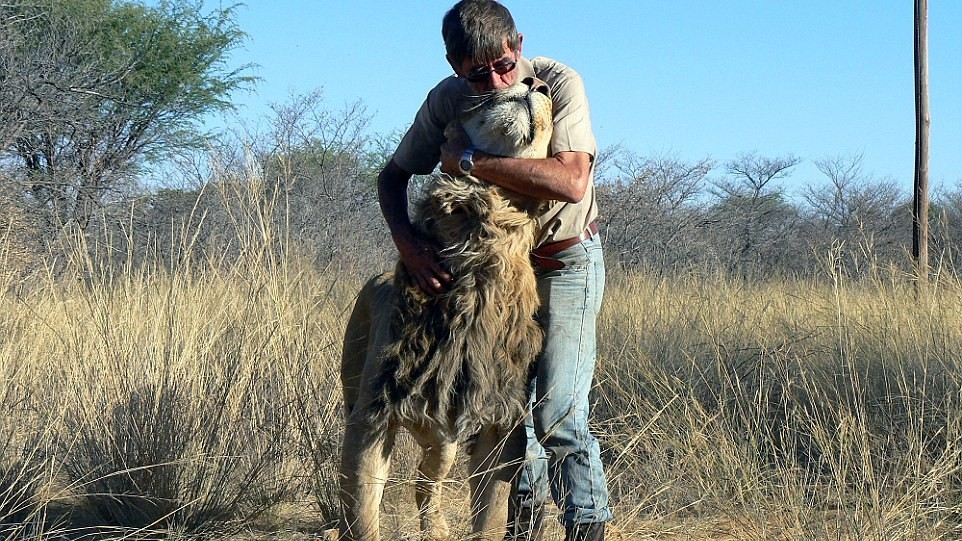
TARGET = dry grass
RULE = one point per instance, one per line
(788, 410)
(200, 397)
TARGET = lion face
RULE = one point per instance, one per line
(515, 121)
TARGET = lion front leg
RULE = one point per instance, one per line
(365, 463)
(494, 461)
(439, 456)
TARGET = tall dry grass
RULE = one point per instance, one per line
(143, 399)
(785, 410)
(198, 396)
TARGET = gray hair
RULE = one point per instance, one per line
(477, 30)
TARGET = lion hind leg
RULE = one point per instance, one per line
(439, 455)
(494, 459)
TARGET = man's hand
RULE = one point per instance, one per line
(421, 260)
(454, 146)
(418, 256)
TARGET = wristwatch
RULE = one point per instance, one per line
(467, 162)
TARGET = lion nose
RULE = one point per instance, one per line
(537, 85)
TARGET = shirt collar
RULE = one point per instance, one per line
(525, 69)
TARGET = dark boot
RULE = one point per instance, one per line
(525, 523)
(594, 531)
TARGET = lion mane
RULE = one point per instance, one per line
(464, 356)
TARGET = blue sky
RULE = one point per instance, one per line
(687, 78)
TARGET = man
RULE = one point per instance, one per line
(484, 49)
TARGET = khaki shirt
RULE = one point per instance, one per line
(420, 150)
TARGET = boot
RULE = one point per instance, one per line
(594, 531)
(525, 523)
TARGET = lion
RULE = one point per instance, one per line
(451, 369)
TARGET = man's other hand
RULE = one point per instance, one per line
(421, 260)
(456, 143)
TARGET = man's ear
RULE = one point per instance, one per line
(455, 66)
(520, 41)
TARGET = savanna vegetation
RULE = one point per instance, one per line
(173, 303)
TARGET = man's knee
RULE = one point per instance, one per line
(561, 427)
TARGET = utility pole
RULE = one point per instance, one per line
(920, 210)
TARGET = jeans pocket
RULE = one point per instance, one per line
(576, 259)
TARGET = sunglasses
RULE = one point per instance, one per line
(481, 74)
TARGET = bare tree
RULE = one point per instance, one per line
(854, 217)
(752, 219)
(947, 236)
(308, 181)
(325, 163)
(650, 210)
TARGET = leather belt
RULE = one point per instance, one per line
(542, 257)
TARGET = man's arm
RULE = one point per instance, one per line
(562, 177)
(419, 257)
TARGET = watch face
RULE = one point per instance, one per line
(466, 163)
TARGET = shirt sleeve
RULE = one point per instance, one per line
(419, 151)
(572, 118)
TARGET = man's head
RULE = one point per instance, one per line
(483, 45)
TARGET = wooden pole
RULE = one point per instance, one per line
(920, 210)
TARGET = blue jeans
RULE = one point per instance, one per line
(561, 453)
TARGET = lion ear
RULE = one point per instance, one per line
(443, 205)
(453, 129)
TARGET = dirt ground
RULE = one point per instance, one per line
(399, 522)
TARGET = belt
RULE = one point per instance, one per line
(542, 257)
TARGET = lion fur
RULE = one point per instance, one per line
(453, 367)
(461, 359)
